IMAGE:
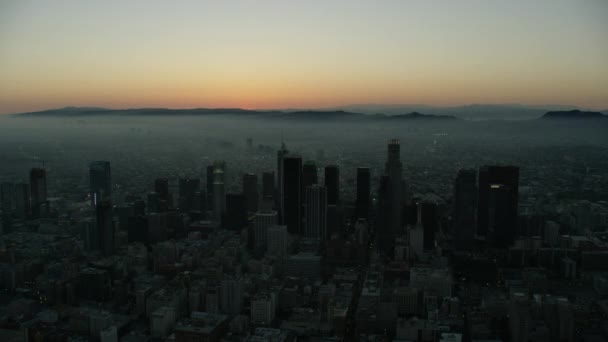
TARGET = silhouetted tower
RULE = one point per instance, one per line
(100, 178)
(394, 170)
(291, 190)
(363, 200)
(250, 190)
(219, 197)
(105, 228)
(309, 174)
(332, 183)
(161, 187)
(384, 236)
(188, 190)
(430, 223)
(497, 204)
(263, 220)
(209, 179)
(268, 185)
(153, 201)
(38, 183)
(281, 153)
(316, 212)
(235, 216)
(465, 209)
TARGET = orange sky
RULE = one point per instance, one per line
(275, 55)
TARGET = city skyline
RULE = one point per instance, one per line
(274, 55)
(280, 171)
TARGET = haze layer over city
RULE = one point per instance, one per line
(319, 171)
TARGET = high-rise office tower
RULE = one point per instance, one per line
(188, 188)
(268, 185)
(139, 207)
(277, 240)
(385, 237)
(219, 197)
(316, 212)
(281, 153)
(268, 201)
(497, 202)
(138, 229)
(464, 209)
(156, 227)
(309, 174)
(209, 181)
(235, 216)
(416, 237)
(363, 200)
(161, 187)
(38, 183)
(430, 223)
(263, 220)
(153, 202)
(332, 183)
(291, 190)
(22, 200)
(334, 220)
(105, 228)
(100, 178)
(393, 171)
(203, 206)
(250, 190)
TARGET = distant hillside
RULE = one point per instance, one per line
(87, 111)
(574, 114)
(420, 116)
(469, 112)
(294, 115)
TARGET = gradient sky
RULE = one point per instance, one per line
(279, 54)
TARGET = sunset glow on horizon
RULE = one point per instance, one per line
(315, 54)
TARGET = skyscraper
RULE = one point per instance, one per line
(363, 200)
(465, 208)
(100, 178)
(281, 153)
(38, 190)
(153, 202)
(497, 204)
(416, 237)
(188, 188)
(105, 228)
(393, 170)
(250, 190)
(263, 220)
(268, 185)
(277, 241)
(430, 223)
(219, 198)
(332, 183)
(161, 187)
(209, 181)
(316, 212)
(235, 216)
(309, 174)
(291, 190)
